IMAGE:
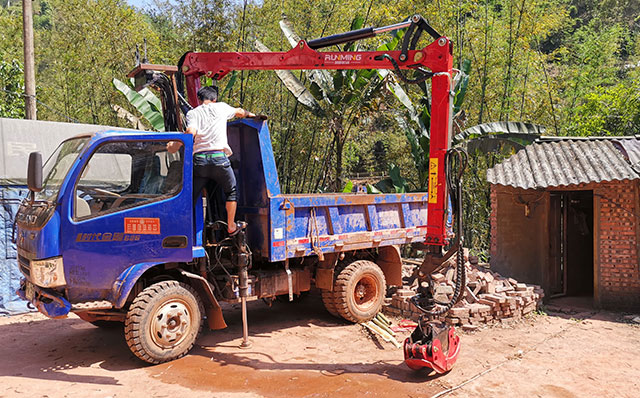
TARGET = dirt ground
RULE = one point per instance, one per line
(301, 351)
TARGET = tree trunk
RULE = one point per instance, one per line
(339, 138)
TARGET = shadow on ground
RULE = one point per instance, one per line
(63, 349)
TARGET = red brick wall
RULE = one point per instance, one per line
(493, 219)
(618, 272)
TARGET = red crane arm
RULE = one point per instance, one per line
(437, 57)
(217, 65)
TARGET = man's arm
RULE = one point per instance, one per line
(244, 113)
(174, 146)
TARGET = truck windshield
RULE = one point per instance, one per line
(57, 166)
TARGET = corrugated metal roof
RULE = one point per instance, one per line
(631, 150)
(554, 162)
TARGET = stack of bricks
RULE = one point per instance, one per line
(488, 298)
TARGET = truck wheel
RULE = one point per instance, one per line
(329, 303)
(163, 322)
(328, 296)
(359, 291)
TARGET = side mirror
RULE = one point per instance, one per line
(34, 172)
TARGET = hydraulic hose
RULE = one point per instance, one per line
(456, 162)
(426, 75)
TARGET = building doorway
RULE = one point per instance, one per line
(571, 243)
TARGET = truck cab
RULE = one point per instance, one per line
(109, 201)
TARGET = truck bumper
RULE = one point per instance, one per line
(49, 303)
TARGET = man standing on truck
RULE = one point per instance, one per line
(208, 125)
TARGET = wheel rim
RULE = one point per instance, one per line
(171, 324)
(365, 294)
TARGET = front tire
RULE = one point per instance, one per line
(163, 322)
(359, 291)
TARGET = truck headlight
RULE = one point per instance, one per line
(48, 273)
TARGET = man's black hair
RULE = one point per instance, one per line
(208, 93)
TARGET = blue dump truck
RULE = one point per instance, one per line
(110, 233)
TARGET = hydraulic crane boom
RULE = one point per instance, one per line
(437, 57)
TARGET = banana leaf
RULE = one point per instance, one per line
(530, 129)
(399, 183)
(230, 83)
(295, 86)
(461, 88)
(356, 24)
(148, 110)
(348, 187)
(320, 76)
(154, 101)
(497, 143)
(372, 189)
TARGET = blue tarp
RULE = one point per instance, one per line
(10, 275)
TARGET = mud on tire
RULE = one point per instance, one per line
(163, 322)
(359, 291)
(328, 297)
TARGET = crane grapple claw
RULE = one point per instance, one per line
(432, 345)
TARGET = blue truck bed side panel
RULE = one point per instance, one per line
(347, 221)
(285, 226)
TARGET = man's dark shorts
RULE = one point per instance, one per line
(213, 165)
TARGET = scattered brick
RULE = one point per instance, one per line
(488, 297)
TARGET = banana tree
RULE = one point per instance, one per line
(150, 106)
(492, 137)
(145, 102)
(343, 97)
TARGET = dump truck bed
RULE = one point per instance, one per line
(348, 221)
(282, 226)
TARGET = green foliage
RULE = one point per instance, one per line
(203, 25)
(227, 88)
(11, 87)
(89, 42)
(344, 96)
(476, 202)
(145, 102)
(611, 110)
(395, 183)
(570, 65)
(11, 32)
(348, 187)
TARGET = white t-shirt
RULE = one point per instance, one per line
(210, 122)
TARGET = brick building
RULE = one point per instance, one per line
(565, 214)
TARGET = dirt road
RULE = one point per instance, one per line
(301, 351)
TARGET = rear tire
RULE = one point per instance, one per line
(328, 296)
(163, 322)
(359, 291)
(329, 303)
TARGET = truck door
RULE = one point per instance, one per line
(130, 203)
